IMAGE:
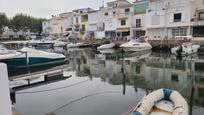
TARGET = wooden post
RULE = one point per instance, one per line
(5, 102)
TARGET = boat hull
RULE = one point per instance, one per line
(136, 46)
(183, 51)
(32, 62)
(106, 46)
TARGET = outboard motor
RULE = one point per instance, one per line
(180, 50)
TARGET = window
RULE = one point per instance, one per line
(106, 14)
(179, 32)
(155, 20)
(127, 11)
(123, 22)
(177, 17)
(77, 20)
(83, 28)
(138, 23)
(137, 69)
(114, 13)
(201, 16)
(84, 18)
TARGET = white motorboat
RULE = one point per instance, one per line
(74, 45)
(187, 48)
(106, 46)
(58, 43)
(32, 57)
(136, 45)
(162, 102)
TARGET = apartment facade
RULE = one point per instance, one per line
(92, 23)
(61, 23)
(197, 19)
(117, 18)
(139, 18)
(155, 19)
(170, 18)
(80, 21)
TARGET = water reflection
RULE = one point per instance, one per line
(145, 70)
(130, 75)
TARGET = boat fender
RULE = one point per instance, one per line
(167, 93)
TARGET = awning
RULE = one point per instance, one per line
(123, 29)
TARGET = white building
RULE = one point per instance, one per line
(80, 21)
(170, 18)
(197, 19)
(61, 23)
(139, 18)
(117, 18)
(124, 19)
(93, 23)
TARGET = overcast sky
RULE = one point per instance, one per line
(45, 8)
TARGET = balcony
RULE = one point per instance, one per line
(123, 15)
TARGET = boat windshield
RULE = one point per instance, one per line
(137, 40)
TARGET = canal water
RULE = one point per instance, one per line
(111, 82)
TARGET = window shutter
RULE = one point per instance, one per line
(171, 16)
(183, 17)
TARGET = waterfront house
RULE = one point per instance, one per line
(80, 21)
(124, 15)
(61, 23)
(139, 18)
(117, 18)
(197, 19)
(100, 33)
(170, 18)
(92, 23)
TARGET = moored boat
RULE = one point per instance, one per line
(74, 45)
(186, 48)
(31, 57)
(136, 45)
(106, 46)
(162, 102)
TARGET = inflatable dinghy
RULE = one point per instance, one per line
(162, 102)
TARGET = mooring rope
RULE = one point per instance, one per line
(47, 90)
(81, 98)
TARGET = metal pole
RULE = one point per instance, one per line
(193, 73)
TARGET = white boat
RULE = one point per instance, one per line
(106, 46)
(136, 45)
(162, 102)
(58, 43)
(32, 57)
(187, 48)
(74, 45)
